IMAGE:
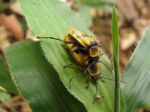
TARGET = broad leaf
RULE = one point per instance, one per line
(4, 96)
(5, 78)
(85, 15)
(137, 76)
(37, 82)
(51, 18)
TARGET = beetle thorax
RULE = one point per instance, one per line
(94, 51)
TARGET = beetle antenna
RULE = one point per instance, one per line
(105, 65)
(68, 42)
(110, 79)
(49, 38)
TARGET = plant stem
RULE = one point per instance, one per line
(117, 87)
(115, 45)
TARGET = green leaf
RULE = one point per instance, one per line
(105, 5)
(53, 18)
(115, 46)
(4, 96)
(58, 58)
(137, 76)
(5, 78)
(98, 3)
(37, 82)
(85, 15)
(115, 35)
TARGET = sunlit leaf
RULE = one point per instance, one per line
(137, 76)
(37, 82)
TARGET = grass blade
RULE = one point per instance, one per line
(115, 45)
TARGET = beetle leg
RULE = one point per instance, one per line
(97, 95)
(77, 76)
(102, 80)
(69, 65)
(72, 66)
(62, 45)
(87, 83)
(89, 67)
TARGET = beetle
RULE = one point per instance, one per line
(85, 42)
(86, 52)
(90, 66)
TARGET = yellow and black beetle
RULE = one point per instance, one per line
(85, 51)
(85, 42)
